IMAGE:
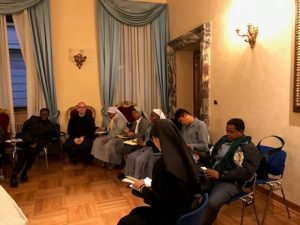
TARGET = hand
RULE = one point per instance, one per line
(138, 184)
(76, 141)
(130, 134)
(33, 145)
(126, 130)
(140, 141)
(214, 174)
(80, 140)
(190, 146)
(196, 157)
(105, 140)
(100, 129)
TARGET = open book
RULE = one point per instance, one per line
(131, 180)
(131, 142)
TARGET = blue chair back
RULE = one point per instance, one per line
(194, 217)
(276, 161)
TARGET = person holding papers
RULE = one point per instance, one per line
(174, 180)
(106, 148)
(139, 164)
(138, 130)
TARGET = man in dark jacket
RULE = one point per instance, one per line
(233, 160)
(81, 130)
(36, 133)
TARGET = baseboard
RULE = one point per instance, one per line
(278, 198)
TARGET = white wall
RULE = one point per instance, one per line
(253, 84)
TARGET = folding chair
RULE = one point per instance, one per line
(247, 197)
(44, 152)
(193, 218)
(276, 164)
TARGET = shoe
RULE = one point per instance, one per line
(13, 181)
(121, 176)
(74, 160)
(102, 164)
(111, 167)
(89, 159)
(24, 177)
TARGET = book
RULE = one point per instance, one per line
(14, 140)
(101, 132)
(131, 142)
(131, 180)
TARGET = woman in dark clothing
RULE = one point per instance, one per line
(174, 180)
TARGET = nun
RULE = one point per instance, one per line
(139, 164)
(106, 148)
(174, 180)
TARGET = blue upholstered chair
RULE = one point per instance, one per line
(276, 165)
(193, 218)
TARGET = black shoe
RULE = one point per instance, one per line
(121, 176)
(24, 177)
(74, 160)
(14, 181)
(89, 159)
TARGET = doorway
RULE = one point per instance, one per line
(198, 41)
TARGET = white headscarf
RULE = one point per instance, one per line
(114, 110)
(160, 113)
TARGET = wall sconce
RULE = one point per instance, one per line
(251, 36)
(78, 58)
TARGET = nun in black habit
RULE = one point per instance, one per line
(174, 181)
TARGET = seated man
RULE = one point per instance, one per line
(193, 131)
(139, 164)
(138, 130)
(81, 129)
(106, 148)
(37, 132)
(234, 159)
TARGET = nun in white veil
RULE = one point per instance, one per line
(139, 164)
(106, 148)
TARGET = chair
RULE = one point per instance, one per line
(276, 165)
(247, 197)
(72, 111)
(126, 108)
(4, 122)
(193, 218)
(44, 152)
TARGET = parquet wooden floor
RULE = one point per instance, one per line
(90, 195)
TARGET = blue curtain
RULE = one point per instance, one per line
(109, 60)
(161, 37)
(39, 17)
(111, 14)
(13, 6)
(40, 22)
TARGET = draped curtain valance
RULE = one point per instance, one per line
(14, 6)
(113, 14)
(133, 13)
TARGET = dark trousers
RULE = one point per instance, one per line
(78, 152)
(26, 157)
(219, 195)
